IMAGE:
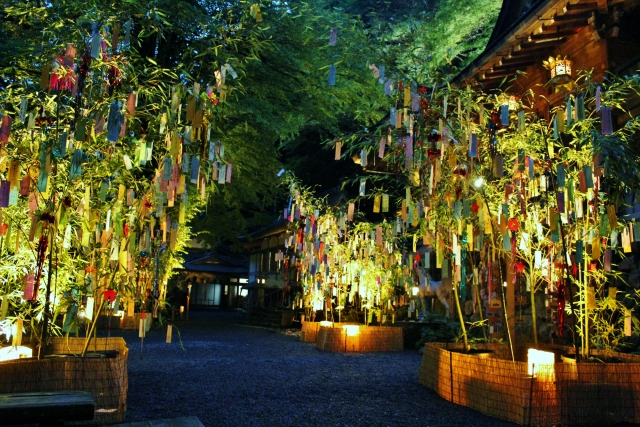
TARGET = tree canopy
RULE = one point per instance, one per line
(279, 106)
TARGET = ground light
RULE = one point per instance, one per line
(540, 362)
(352, 330)
(13, 353)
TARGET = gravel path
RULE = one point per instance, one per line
(236, 375)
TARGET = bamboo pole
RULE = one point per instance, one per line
(534, 314)
(570, 290)
(479, 300)
(460, 317)
(93, 327)
(508, 261)
(95, 321)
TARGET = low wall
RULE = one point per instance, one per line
(309, 330)
(359, 338)
(583, 393)
(105, 378)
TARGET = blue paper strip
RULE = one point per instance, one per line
(332, 75)
(473, 145)
(195, 169)
(504, 115)
(561, 175)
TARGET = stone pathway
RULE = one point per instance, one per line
(234, 375)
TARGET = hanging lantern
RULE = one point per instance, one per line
(559, 66)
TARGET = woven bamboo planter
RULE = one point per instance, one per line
(105, 378)
(584, 393)
(359, 338)
(309, 331)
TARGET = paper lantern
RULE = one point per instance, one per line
(559, 66)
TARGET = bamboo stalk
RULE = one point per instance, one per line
(570, 289)
(479, 299)
(95, 321)
(464, 330)
(534, 314)
(93, 327)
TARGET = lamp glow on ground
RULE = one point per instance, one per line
(540, 362)
(352, 330)
(13, 353)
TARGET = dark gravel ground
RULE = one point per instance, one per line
(236, 375)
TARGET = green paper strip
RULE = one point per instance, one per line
(445, 268)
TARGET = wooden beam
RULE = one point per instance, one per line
(553, 35)
(573, 17)
(516, 62)
(566, 26)
(534, 54)
(515, 59)
(541, 45)
(500, 73)
(603, 6)
(514, 67)
(580, 7)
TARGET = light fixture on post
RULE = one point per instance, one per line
(560, 68)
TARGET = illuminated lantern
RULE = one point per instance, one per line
(558, 66)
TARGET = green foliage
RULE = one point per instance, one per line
(425, 48)
(101, 207)
(439, 329)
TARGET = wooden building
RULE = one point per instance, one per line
(273, 266)
(216, 278)
(598, 35)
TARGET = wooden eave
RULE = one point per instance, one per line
(534, 39)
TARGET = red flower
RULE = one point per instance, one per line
(109, 295)
(513, 224)
(519, 267)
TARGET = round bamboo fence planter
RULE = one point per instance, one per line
(309, 331)
(359, 338)
(105, 378)
(559, 393)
